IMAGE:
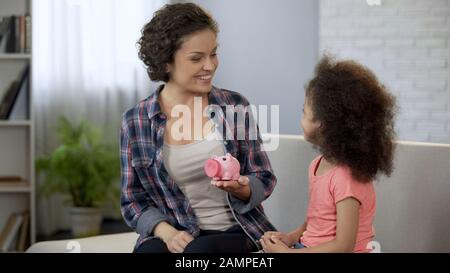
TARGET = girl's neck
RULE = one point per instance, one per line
(324, 166)
(328, 162)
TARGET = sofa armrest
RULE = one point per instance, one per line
(114, 243)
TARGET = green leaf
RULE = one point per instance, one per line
(82, 166)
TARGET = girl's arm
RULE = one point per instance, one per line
(295, 235)
(346, 229)
(289, 238)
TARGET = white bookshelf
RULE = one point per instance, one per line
(15, 123)
(17, 133)
(15, 56)
(15, 189)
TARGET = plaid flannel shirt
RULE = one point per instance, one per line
(149, 195)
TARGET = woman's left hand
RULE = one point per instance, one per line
(239, 188)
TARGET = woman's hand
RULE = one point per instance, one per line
(284, 237)
(239, 188)
(273, 245)
(176, 240)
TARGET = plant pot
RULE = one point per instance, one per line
(85, 221)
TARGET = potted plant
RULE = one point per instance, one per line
(85, 169)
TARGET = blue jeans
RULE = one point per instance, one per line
(298, 245)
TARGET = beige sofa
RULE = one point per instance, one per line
(413, 205)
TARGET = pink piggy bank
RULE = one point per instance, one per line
(222, 167)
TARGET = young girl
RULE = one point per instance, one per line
(348, 115)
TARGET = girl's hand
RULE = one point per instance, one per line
(284, 237)
(273, 245)
(239, 188)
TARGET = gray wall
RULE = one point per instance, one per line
(267, 52)
(407, 44)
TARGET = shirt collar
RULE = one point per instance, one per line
(154, 108)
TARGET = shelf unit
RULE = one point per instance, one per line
(15, 123)
(15, 56)
(17, 133)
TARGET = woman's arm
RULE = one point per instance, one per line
(137, 208)
(257, 184)
(255, 165)
(346, 232)
(240, 188)
(176, 240)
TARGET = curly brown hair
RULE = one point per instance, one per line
(356, 113)
(163, 35)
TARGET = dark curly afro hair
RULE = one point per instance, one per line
(356, 113)
(164, 34)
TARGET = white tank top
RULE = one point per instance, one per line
(184, 164)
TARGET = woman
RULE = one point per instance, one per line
(166, 196)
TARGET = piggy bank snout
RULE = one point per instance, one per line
(212, 168)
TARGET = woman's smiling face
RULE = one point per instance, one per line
(195, 62)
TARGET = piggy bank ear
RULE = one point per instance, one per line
(228, 155)
(214, 157)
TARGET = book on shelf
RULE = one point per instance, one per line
(10, 97)
(3, 42)
(4, 32)
(12, 181)
(10, 178)
(27, 33)
(22, 242)
(11, 42)
(21, 108)
(15, 34)
(10, 232)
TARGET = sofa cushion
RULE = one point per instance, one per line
(119, 243)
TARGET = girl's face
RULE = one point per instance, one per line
(310, 125)
(195, 62)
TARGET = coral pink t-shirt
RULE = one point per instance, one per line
(325, 191)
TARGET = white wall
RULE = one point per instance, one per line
(267, 52)
(407, 44)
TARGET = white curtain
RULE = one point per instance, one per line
(85, 65)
